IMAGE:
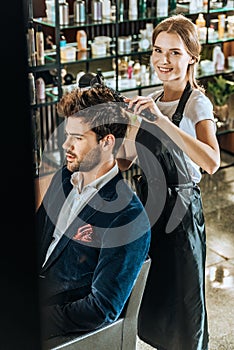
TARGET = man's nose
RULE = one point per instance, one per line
(68, 143)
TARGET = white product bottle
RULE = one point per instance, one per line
(32, 89)
(40, 46)
(193, 6)
(40, 90)
(31, 45)
(221, 25)
(199, 5)
(97, 10)
(106, 9)
(218, 58)
(144, 75)
(121, 10)
(162, 8)
(133, 9)
(63, 12)
(201, 27)
(79, 11)
(149, 32)
(137, 72)
(144, 42)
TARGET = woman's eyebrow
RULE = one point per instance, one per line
(170, 49)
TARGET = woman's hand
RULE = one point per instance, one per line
(145, 107)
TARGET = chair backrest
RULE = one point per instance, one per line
(133, 307)
(120, 335)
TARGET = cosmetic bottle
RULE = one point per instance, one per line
(130, 69)
(31, 45)
(137, 72)
(200, 21)
(199, 5)
(221, 26)
(149, 32)
(121, 10)
(123, 67)
(79, 11)
(106, 9)
(97, 8)
(63, 41)
(201, 27)
(144, 43)
(32, 89)
(81, 38)
(40, 90)
(162, 8)
(100, 76)
(133, 10)
(40, 45)
(63, 12)
(218, 58)
(193, 6)
(143, 74)
(142, 8)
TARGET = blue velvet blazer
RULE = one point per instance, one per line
(88, 278)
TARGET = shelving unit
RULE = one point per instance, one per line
(109, 63)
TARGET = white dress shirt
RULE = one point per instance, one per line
(75, 202)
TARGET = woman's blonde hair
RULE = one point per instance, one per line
(187, 30)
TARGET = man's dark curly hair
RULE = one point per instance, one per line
(100, 107)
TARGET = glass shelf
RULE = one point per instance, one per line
(86, 56)
(225, 39)
(73, 24)
(222, 9)
(215, 73)
(50, 100)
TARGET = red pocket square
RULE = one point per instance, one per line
(84, 233)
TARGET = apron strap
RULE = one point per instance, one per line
(178, 115)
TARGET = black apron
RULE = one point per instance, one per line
(173, 312)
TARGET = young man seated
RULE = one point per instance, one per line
(93, 232)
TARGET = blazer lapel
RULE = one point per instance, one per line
(96, 204)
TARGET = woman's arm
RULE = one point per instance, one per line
(204, 151)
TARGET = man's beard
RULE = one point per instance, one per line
(89, 162)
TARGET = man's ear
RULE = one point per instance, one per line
(108, 141)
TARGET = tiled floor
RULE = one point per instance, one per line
(218, 202)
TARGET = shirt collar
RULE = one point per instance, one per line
(77, 179)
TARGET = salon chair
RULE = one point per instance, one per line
(120, 335)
